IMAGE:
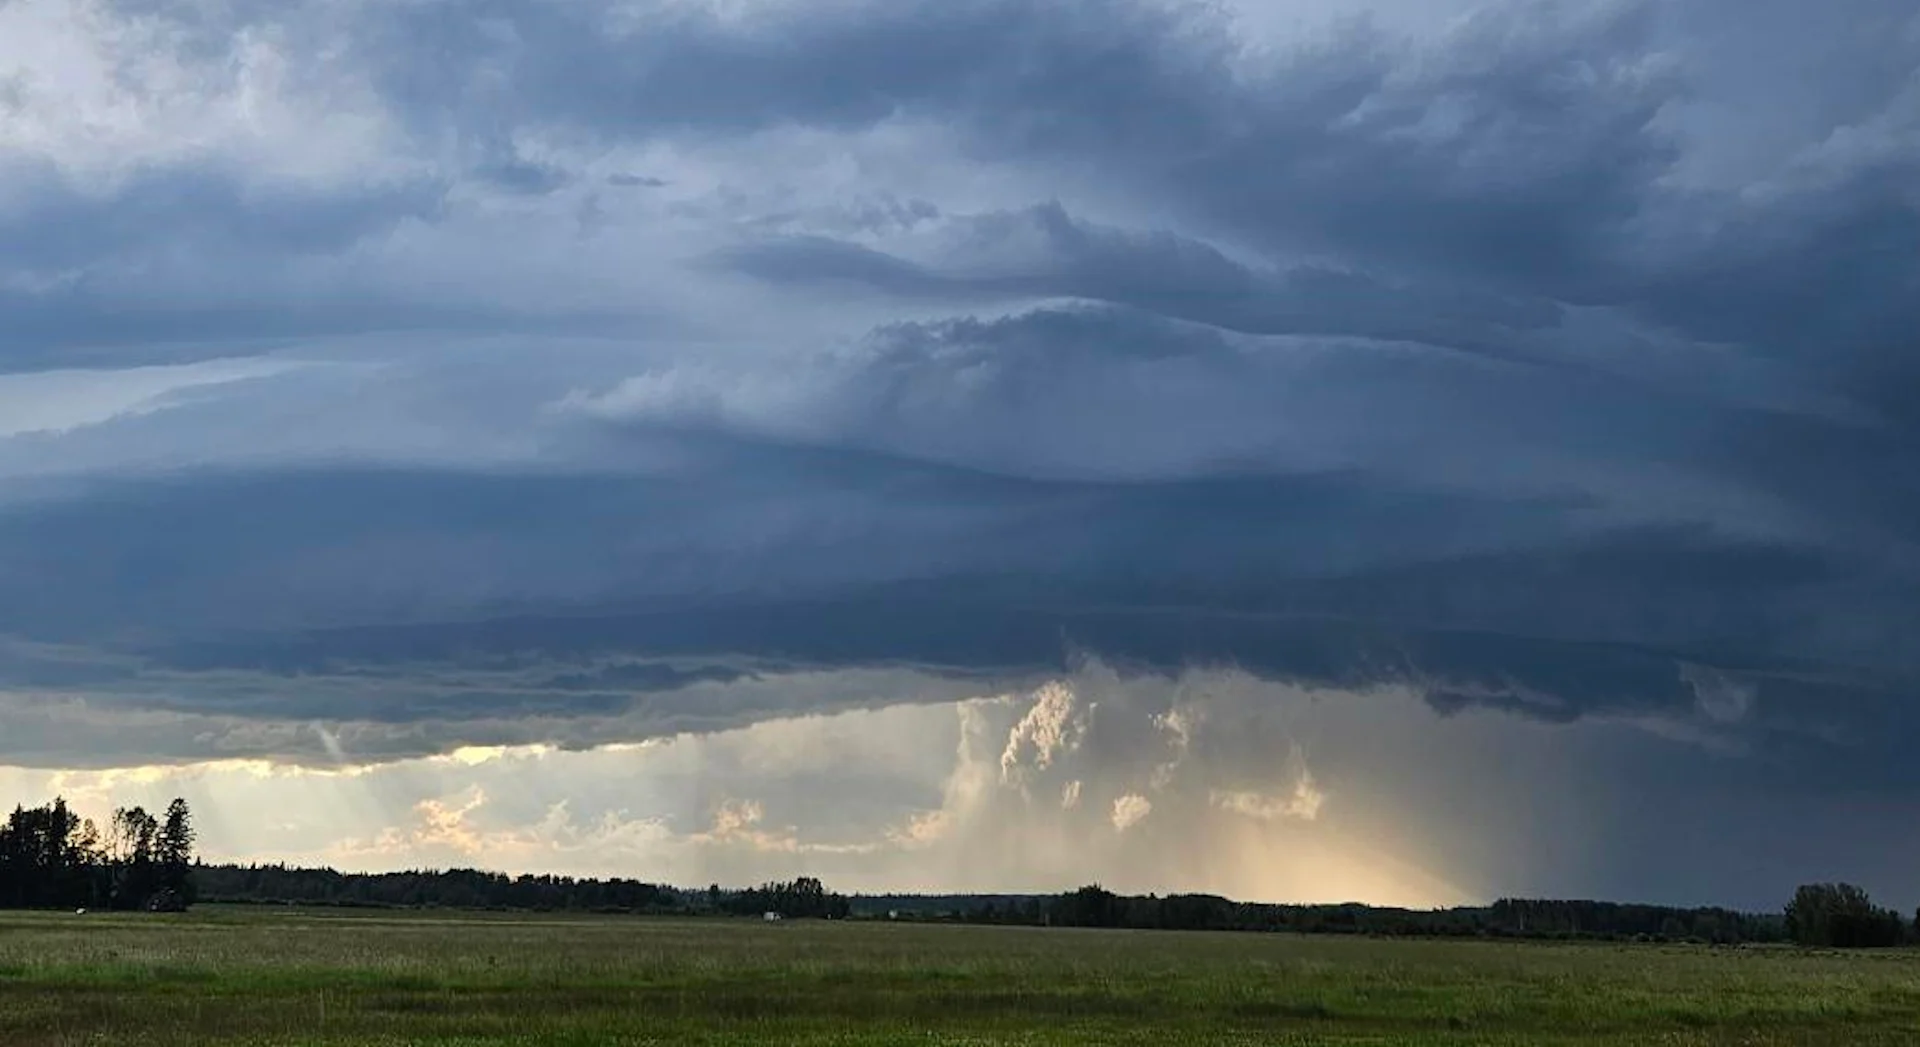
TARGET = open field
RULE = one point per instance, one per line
(272, 977)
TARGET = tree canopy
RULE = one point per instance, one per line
(1841, 916)
(51, 857)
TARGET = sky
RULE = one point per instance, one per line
(1408, 452)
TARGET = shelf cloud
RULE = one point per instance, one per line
(380, 382)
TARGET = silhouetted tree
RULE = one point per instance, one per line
(1090, 906)
(452, 888)
(805, 897)
(131, 839)
(1840, 916)
(50, 856)
(174, 853)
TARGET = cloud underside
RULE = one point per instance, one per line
(1205, 785)
(1215, 781)
(637, 618)
(954, 795)
(599, 373)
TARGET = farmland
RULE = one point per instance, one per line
(265, 976)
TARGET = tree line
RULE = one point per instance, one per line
(1094, 906)
(278, 884)
(1839, 916)
(51, 857)
(1836, 916)
(803, 898)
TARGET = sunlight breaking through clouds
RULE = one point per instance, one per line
(1129, 810)
(755, 801)
(1293, 448)
(1212, 781)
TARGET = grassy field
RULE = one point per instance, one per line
(272, 977)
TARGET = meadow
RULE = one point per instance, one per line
(267, 976)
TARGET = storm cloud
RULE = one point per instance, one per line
(379, 381)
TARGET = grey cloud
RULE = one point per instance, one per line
(1207, 758)
(101, 329)
(206, 209)
(375, 713)
(816, 259)
(1153, 90)
(920, 464)
(179, 264)
(404, 543)
(1557, 365)
(688, 69)
(1512, 149)
(1338, 579)
(1235, 785)
(1620, 632)
(1121, 393)
(1527, 148)
(1044, 253)
(520, 176)
(1731, 418)
(1164, 274)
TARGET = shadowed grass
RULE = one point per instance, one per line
(278, 977)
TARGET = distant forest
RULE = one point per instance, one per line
(50, 858)
(1823, 915)
(801, 898)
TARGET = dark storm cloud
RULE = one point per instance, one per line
(1559, 364)
(1160, 273)
(109, 263)
(1101, 392)
(1525, 146)
(732, 518)
(1285, 579)
(176, 264)
(708, 666)
(1513, 149)
(1531, 149)
(690, 69)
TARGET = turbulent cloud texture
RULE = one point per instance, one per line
(383, 380)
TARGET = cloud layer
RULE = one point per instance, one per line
(381, 379)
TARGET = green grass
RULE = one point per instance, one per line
(272, 977)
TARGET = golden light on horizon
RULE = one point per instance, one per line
(1082, 780)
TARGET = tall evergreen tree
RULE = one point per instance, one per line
(174, 851)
